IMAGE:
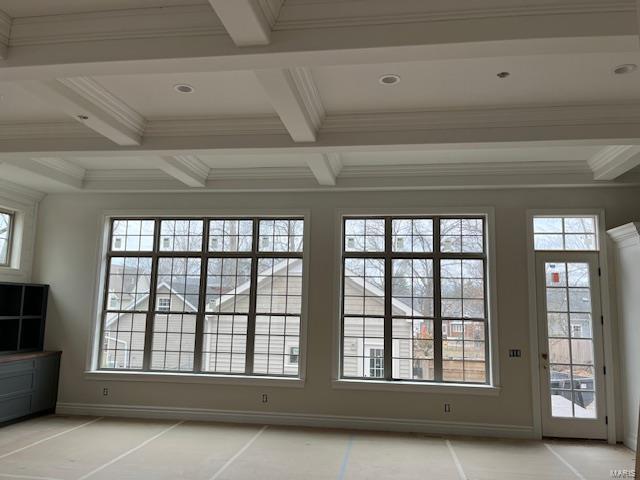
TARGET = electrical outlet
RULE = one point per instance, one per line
(515, 353)
(265, 398)
(447, 408)
(105, 392)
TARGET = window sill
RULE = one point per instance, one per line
(400, 386)
(160, 377)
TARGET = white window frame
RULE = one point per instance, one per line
(92, 371)
(492, 388)
(10, 237)
(607, 293)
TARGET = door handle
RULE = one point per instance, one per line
(545, 356)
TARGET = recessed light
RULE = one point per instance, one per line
(626, 68)
(503, 74)
(183, 88)
(389, 79)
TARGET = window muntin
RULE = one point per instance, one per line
(6, 233)
(178, 300)
(421, 303)
(578, 233)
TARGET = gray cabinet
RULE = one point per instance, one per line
(28, 384)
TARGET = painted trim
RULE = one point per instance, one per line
(626, 236)
(434, 388)
(180, 378)
(298, 419)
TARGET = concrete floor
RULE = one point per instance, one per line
(79, 448)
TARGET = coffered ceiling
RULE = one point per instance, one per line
(286, 95)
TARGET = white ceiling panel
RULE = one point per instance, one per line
(17, 105)
(215, 94)
(550, 79)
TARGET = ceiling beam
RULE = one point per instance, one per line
(87, 102)
(50, 170)
(599, 125)
(613, 161)
(244, 20)
(295, 98)
(116, 45)
(326, 168)
(186, 168)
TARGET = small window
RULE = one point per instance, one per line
(294, 355)
(565, 233)
(6, 230)
(376, 362)
(164, 304)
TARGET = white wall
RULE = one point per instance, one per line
(66, 252)
(24, 204)
(627, 239)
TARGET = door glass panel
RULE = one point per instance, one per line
(569, 330)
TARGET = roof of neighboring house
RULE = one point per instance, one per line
(244, 287)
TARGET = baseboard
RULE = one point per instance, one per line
(297, 419)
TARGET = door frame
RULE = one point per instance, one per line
(607, 293)
(584, 427)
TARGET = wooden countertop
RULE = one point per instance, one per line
(15, 357)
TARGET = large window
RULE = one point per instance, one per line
(204, 295)
(414, 299)
(6, 227)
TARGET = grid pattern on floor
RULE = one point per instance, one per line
(81, 448)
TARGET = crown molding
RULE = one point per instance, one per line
(271, 10)
(138, 23)
(363, 130)
(626, 235)
(489, 117)
(24, 130)
(19, 193)
(96, 94)
(197, 126)
(318, 14)
(130, 180)
(613, 161)
(259, 173)
(62, 166)
(186, 168)
(300, 179)
(309, 94)
(5, 33)
(578, 167)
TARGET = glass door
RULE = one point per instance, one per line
(571, 346)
